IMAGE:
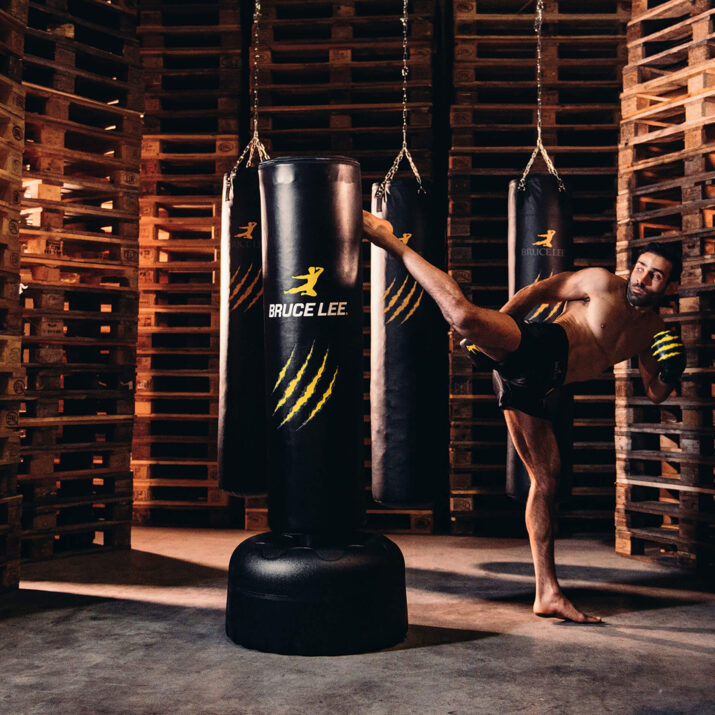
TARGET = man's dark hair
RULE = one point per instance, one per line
(670, 253)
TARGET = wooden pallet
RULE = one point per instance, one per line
(75, 510)
(13, 21)
(389, 520)
(79, 264)
(664, 453)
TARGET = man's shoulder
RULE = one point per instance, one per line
(600, 280)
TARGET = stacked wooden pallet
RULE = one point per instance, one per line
(493, 132)
(79, 274)
(191, 59)
(13, 21)
(665, 489)
(330, 83)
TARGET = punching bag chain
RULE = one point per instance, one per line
(539, 148)
(404, 151)
(255, 145)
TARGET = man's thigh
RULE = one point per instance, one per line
(535, 442)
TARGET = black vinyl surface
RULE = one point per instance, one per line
(312, 227)
(241, 423)
(541, 245)
(408, 352)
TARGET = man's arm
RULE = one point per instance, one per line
(563, 286)
(655, 389)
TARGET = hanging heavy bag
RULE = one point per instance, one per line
(241, 433)
(312, 225)
(540, 244)
(408, 356)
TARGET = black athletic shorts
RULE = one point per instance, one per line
(524, 379)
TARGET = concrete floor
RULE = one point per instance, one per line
(143, 632)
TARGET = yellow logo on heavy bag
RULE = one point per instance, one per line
(310, 380)
(310, 278)
(548, 238)
(247, 230)
(308, 309)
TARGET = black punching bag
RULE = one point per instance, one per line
(241, 433)
(541, 245)
(312, 226)
(408, 356)
(314, 585)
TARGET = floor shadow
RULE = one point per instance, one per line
(602, 598)
(123, 568)
(663, 578)
(24, 602)
(456, 584)
(425, 636)
(604, 601)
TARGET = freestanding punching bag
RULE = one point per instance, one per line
(314, 585)
(540, 245)
(241, 433)
(408, 356)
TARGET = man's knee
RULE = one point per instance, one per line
(545, 479)
(487, 328)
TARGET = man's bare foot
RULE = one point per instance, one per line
(378, 230)
(559, 606)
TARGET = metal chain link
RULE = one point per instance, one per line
(404, 151)
(255, 145)
(539, 148)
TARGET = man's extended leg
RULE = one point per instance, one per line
(495, 333)
(535, 442)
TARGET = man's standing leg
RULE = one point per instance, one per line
(535, 443)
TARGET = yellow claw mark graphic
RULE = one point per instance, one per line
(557, 307)
(543, 306)
(248, 290)
(414, 308)
(389, 288)
(253, 302)
(404, 303)
(668, 338)
(237, 289)
(307, 393)
(394, 298)
(539, 310)
(283, 371)
(323, 400)
(294, 382)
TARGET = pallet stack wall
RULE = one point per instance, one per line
(492, 121)
(13, 22)
(665, 489)
(79, 275)
(191, 60)
(330, 82)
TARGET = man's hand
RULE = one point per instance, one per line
(669, 352)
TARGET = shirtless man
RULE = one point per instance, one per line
(606, 320)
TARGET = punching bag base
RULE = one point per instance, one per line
(289, 594)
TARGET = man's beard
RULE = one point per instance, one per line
(645, 298)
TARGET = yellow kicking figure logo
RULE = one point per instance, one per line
(310, 278)
(548, 237)
(247, 230)
(405, 238)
